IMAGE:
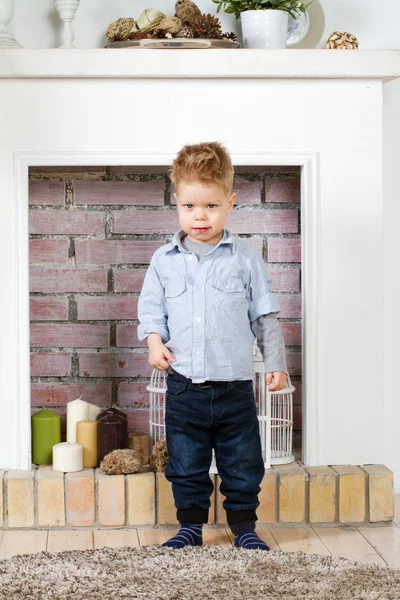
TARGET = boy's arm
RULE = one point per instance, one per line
(271, 343)
(152, 308)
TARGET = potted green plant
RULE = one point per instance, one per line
(264, 22)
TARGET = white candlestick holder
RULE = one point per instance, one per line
(67, 10)
(6, 13)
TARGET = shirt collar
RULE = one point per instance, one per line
(176, 241)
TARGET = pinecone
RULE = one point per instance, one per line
(186, 32)
(341, 41)
(229, 35)
(207, 26)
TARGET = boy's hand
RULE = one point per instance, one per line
(279, 381)
(159, 354)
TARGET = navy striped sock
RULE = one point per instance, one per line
(190, 534)
(246, 537)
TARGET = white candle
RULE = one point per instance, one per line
(93, 411)
(77, 410)
(67, 457)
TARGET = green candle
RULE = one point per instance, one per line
(46, 432)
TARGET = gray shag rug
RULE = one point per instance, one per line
(207, 573)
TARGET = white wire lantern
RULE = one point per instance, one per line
(274, 411)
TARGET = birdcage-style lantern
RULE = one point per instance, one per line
(274, 411)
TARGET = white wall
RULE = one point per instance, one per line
(36, 23)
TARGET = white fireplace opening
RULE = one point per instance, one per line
(248, 162)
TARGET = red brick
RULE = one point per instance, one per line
(107, 252)
(133, 393)
(285, 280)
(48, 308)
(119, 192)
(114, 365)
(70, 336)
(44, 279)
(293, 360)
(255, 243)
(47, 192)
(140, 169)
(290, 306)
(56, 394)
(291, 333)
(247, 192)
(266, 169)
(63, 222)
(127, 337)
(104, 308)
(50, 364)
(284, 250)
(282, 190)
(239, 221)
(128, 280)
(138, 420)
(45, 251)
(68, 169)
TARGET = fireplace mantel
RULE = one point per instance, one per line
(166, 64)
(334, 114)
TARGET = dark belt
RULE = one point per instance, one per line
(184, 379)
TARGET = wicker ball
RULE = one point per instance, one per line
(341, 41)
(120, 30)
(159, 456)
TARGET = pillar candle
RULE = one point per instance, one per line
(46, 431)
(67, 457)
(94, 411)
(112, 434)
(77, 410)
(114, 411)
(86, 436)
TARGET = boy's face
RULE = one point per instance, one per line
(203, 210)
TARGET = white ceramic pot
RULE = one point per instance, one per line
(6, 13)
(265, 28)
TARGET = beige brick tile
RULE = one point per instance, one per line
(352, 487)
(80, 498)
(141, 498)
(292, 493)
(322, 497)
(50, 494)
(166, 506)
(380, 493)
(111, 499)
(20, 498)
(266, 512)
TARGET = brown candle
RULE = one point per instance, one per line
(112, 433)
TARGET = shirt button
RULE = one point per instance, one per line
(227, 286)
(198, 319)
(197, 288)
(190, 257)
(197, 353)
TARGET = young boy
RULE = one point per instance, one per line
(205, 297)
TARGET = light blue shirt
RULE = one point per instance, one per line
(203, 309)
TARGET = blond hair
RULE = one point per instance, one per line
(207, 163)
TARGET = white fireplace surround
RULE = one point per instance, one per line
(335, 114)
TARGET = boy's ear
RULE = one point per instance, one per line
(231, 202)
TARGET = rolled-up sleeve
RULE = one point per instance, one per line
(152, 308)
(262, 299)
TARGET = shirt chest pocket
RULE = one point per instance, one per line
(176, 297)
(229, 293)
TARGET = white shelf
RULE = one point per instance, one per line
(164, 64)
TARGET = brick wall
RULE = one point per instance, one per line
(92, 234)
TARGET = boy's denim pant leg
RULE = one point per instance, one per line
(198, 419)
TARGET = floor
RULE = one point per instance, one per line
(369, 544)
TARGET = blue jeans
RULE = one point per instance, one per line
(223, 416)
